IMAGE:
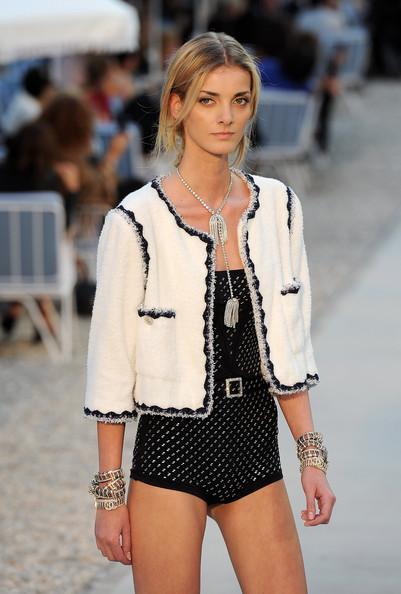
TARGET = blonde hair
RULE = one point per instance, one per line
(186, 73)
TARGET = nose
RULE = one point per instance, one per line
(226, 115)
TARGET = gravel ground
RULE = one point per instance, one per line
(49, 450)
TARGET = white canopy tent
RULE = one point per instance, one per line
(51, 28)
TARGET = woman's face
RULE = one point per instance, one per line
(218, 119)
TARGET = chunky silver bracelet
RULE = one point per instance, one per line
(112, 494)
(311, 451)
(317, 461)
(109, 474)
(109, 503)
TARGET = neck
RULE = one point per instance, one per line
(209, 180)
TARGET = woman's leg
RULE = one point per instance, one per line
(167, 529)
(261, 537)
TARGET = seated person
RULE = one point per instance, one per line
(30, 166)
(293, 70)
(37, 90)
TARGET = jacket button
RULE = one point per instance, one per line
(148, 319)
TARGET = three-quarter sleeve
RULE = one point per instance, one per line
(110, 370)
(300, 268)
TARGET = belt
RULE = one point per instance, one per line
(233, 387)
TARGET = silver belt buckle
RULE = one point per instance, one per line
(233, 387)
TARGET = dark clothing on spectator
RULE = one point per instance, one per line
(12, 180)
(145, 113)
(274, 77)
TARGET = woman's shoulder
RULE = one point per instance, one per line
(270, 186)
(139, 199)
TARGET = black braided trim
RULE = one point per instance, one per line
(111, 417)
(142, 241)
(289, 207)
(292, 287)
(207, 315)
(310, 380)
(155, 312)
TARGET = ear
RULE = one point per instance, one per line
(175, 105)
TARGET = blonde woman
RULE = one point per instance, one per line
(200, 325)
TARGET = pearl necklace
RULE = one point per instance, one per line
(218, 229)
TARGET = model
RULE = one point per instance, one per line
(200, 325)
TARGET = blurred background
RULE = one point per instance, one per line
(80, 85)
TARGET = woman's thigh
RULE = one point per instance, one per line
(262, 541)
(167, 529)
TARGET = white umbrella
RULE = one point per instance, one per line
(49, 28)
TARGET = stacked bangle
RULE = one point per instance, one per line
(311, 451)
(111, 495)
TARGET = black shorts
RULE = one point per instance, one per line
(227, 455)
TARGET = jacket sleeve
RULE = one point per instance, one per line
(110, 373)
(300, 268)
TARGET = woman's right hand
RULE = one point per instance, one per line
(109, 525)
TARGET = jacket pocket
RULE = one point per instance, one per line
(156, 312)
(291, 298)
(156, 350)
(291, 287)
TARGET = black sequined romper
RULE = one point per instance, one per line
(234, 450)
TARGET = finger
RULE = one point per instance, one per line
(310, 505)
(323, 517)
(119, 554)
(126, 540)
(326, 508)
(107, 552)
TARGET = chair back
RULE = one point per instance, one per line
(285, 121)
(31, 234)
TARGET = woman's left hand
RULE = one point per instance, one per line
(316, 486)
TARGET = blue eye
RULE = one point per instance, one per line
(204, 99)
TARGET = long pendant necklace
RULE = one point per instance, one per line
(218, 229)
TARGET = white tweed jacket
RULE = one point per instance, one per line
(150, 347)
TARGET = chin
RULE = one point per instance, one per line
(224, 147)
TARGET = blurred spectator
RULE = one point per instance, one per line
(143, 108)
(354, 12)
(330, 87)
(299, 62)
(287, 56)
(72, 122)
(129, 62)
(325, 18)
(30, 167)
(107, 85)
(385, 24)
(268, 7)
(235, 18)
(37, 90)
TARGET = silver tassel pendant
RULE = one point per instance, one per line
(218, 228)
(231, 312)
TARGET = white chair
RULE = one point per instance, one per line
(36, 260)
(355, 41)
(286, 122)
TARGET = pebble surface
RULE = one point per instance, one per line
(49, 450)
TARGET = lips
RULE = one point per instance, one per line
(223, 134)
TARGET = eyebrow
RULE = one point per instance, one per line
(217, 94)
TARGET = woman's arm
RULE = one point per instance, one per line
(110, 437)
(111, 526)
(297, 412)
(111, 375)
